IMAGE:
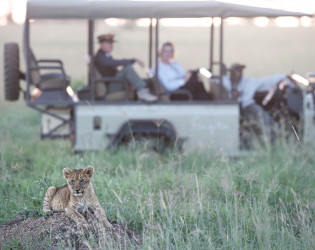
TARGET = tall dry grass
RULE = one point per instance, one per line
(176, 201)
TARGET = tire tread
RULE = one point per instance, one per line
(11, 72)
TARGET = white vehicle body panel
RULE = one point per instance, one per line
(213, 127)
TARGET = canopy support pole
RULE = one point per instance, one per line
(157, 48)
(150, 43)
(26, 51)
(91, 58)
(211, 45)
(221, 57)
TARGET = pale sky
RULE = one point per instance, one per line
(307, 6)
(18, 7)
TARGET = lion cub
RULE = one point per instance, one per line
(78, 194)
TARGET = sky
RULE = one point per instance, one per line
(307, 6)
(18, 8)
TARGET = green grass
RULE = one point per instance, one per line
(177, 201)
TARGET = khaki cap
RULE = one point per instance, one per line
(235, 66)
(106, 38)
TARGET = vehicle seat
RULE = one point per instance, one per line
(165, 95)
(102, 93)
(217, 91)
(47, 81)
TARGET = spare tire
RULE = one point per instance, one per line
(11, 71)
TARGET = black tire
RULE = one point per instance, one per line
(153, 136)
(147, 142)
(11, 71)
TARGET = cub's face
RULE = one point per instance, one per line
(78, 179)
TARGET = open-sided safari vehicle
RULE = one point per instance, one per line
(95, 121)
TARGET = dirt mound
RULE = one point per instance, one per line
(58, 231)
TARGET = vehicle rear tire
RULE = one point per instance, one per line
(147, 142)
(11, 71)
(153, 136)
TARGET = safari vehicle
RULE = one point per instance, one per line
(95, 121)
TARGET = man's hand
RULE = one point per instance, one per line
(235, 94)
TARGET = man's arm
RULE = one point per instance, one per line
(267, 82)
(107, 61)
(247, 88)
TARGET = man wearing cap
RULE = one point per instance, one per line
(107, 67)
(244, 89)
(247, 87)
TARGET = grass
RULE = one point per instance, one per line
(181, 201)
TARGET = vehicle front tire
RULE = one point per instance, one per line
(11, 72)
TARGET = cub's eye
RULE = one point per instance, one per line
(72, 181)
(82, 180)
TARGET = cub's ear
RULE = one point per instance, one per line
(89, 170)
(66, 172)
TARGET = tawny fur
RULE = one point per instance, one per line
(78, 195)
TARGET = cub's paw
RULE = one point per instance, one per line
(91, 210)
(81, 209)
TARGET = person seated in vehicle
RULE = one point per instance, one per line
(244, 89)
(173, 77)
(108, 67)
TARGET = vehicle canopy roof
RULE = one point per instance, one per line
(93, 9)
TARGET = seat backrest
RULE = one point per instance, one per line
(101, 91)
(159, 90)
(218, 91)
(100, 87)
(34, 73)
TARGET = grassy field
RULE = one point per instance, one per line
(181, 201)
(176, 201)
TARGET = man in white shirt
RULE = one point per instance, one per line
(247, 87)
(244, 91)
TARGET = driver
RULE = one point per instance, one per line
(244, 89)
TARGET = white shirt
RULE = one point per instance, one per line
(226, 82)
(172, 76)
(248, 86)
